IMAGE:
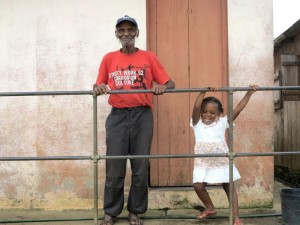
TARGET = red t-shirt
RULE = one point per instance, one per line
(131, 72)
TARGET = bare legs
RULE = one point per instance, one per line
(204, 197)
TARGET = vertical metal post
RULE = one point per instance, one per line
(230, 146)
(95, 160)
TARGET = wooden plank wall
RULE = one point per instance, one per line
(168, 38)
(190, 39)
(287, 118)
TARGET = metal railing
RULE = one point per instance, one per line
(96, 157)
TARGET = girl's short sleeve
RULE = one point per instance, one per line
(191, 123)
(225, 122)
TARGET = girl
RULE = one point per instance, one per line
(209, 128)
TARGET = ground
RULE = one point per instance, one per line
(271, 216)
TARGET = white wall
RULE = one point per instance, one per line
(54, 45)
(250, 29)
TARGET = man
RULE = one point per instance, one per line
(129, 126)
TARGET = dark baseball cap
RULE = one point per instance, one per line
(126, 18)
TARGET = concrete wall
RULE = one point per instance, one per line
(250, 25)
(48, 45)
(54, 45)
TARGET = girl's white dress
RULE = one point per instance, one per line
(211, 139)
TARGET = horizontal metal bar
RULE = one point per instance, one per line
(41, 93)
(99, 157)
(222, 89)
(162, 156)
(198, 155)
(106, 157)
(45, 158)
(176, 90)
(244, 154)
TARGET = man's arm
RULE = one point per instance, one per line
(170, 84)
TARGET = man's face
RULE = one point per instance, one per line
(126, 32)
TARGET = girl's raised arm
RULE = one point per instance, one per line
(197, 108)
(239, 108)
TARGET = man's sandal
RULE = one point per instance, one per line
(206, 214)
(238, 222)
(134, 219)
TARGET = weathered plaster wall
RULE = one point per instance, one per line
(48, 45)
(250, 25)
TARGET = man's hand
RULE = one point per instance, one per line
(159, 89)
(100, 89)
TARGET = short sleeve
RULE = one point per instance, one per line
(225, 122)
(197, 124)
(191, 123)
(103, 72)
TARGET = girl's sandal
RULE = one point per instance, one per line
(238, 222)
(206, 214)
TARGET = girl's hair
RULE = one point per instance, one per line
(214, 100)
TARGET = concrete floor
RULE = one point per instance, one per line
(152, 217)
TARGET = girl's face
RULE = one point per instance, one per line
(210, 113)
